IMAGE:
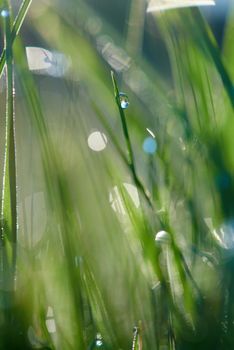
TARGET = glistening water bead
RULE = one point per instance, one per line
(98, 343)
(124, 101)
(150, 145)
(162, 237)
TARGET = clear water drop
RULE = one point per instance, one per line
(99, 343)
(4, 13)
(124, 101)
(162, 237)
(150, 145)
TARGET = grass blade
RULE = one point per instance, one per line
(131, 161)
(214, 51)
(15, 29)
(8, 202)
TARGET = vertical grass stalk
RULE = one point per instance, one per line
(131, 161)
(15, 29)
(8, 203)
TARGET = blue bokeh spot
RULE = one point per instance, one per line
(150, 145)
(4, 13)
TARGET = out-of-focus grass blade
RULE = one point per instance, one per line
(56, 185)
(228, 49)
(135, 28)
(179, 259)
(215, 53)
(137, 339)
(8, 199)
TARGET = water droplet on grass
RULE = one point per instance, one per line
(124, 101)
(162, 237)
(99, 343)
(150, 145)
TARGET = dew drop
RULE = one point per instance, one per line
(4, 13)
(98, 343)
(124, 101)
(150, 145)
(162, 237)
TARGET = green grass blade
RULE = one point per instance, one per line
(128, 142)
(228, 49)
(8, 202)
(215, 53)
(137, 339)
(19, 20)
(124, 126)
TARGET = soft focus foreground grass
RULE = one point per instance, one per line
(78, 267)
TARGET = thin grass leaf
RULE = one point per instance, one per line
(8, 199)
(228, 51)
(128, 141)
(212, 47)
(57, 188)
(137, 343)
(19, 20)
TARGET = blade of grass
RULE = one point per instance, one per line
(131, 161)
(228, 49)
(137, 338)
(183, 269)
(15, 29)
(135, 28)
(214, 51)
(8, 203)
(56, 185)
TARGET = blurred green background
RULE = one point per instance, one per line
(117, 223)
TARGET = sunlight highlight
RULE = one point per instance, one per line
(117, 201)
(159, 5)
(97, 141)
(42, 61)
